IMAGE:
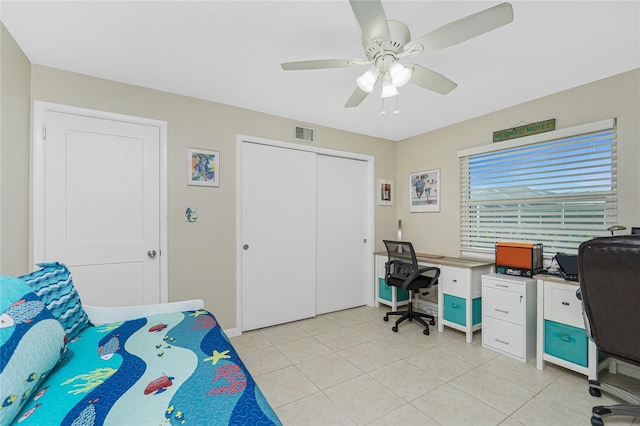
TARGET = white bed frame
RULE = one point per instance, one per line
(106, 314)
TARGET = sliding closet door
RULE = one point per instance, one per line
(278, 235)
(342, 281)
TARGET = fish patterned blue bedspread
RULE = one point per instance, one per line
(177, 368)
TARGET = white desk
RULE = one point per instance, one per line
(459, 292)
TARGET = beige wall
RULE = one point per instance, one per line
(15, 73)
(202, 261)
(202, 256)
(618, 96)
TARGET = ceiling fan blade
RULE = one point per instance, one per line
(371, 18)
(466, 28)
(431, 80)
(356, 98)
(322, 63)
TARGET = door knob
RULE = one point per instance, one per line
(364, 241)
(245, 247)
(151, 253)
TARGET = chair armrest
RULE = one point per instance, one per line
(107, 314)
(396, 269)
(387, 265)
(585, 319)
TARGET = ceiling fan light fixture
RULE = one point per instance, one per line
(400, 75)
(388, 89)
(367, 80)
(386, 42)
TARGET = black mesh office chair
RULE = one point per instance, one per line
(609, 271)
(401, 271)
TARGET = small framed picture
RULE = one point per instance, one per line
(424, 191)
(385, 192)
(203, 167)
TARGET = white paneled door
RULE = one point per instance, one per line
(101, 213)
(342, 244)
(278, 235)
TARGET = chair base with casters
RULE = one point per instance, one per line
(402, 272)
(601, 411)
(411, 315)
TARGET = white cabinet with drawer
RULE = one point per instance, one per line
(562, 339)
(561, 304)
(509, 315)
(460, 297)
(456, 281)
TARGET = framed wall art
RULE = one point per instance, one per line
(203, 167)
(385, 192)
(424, 191)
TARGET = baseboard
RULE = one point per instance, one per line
(233, 332)
(627, 369)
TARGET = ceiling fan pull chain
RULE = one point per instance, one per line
(397, 110)
(383, 112)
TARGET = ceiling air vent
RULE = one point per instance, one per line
(305, 134)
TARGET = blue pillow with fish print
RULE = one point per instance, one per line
(32, 342)
(54, 286)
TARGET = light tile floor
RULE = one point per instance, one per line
(349, 368)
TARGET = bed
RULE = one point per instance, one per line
(174, 366)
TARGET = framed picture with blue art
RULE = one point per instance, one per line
(203, 167)
(424, 191)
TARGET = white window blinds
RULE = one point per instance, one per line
(559, 192)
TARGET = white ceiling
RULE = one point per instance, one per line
(230, 52)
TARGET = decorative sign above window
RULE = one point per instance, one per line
(526, 130)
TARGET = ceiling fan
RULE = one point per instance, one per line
(386, 42)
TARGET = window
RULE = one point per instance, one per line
(556, 188)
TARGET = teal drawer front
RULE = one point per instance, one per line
(385, 292)
(566, 342)
(455, 310)
(476, 313)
